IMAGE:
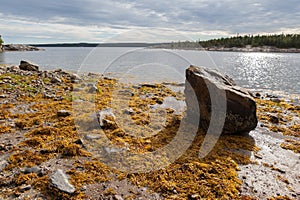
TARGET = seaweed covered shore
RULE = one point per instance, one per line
(42, 139)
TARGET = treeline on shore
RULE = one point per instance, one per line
(281, 41)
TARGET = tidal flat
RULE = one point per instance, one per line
(48, 123)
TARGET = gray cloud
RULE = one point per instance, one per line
(106, 18)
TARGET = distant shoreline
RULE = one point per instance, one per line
(264, 49)
(98, 44)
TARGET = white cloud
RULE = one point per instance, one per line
(97, 21)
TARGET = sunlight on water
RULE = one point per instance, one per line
(271, 71)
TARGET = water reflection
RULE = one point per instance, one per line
(265, 71)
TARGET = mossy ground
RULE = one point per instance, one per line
(47, 136)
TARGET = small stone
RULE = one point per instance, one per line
(3, 164)
(63, 113)
(25, 188)
(92, 137)
(93, 89)
(148, 85)
(29, 170)
(276, 100)
(110, 150)
(75, 78)
(194, 196)
(55, 80)
(257, 155)
(3, 96)
(118, 197)
(83, 188)
(79, 141)
(77, 89)
(274, 119)
(60, 181)
(128, 111)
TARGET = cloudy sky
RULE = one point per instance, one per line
(36, 21)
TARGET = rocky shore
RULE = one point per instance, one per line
(20, 47)
(267, 49)
(54, 146)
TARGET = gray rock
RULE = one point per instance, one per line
(28, 66)
(106, 118)
(241, 107)
(28, 170)
(118, 197)
(55, 80)
(3, 96)
(60, 181)
(75, 78)
(93, 89)
(3, 164)
(128, 111)
(110, 150)
(63, 113)
(92, 137)
(24, 188)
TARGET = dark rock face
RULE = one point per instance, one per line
(208, 90)
(28, 66)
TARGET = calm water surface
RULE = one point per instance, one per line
(273, 71)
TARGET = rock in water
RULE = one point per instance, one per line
(60, 181)
(241, 107)
(28, 66)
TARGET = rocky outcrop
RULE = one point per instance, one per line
(20, 47)
(202, 84)
(28, 66)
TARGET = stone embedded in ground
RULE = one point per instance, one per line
(28, 66)
(92, 137)
(55, 80)
(29, 170)
(24, 188)
(106, 118)
(63, 113)
(60, 181)
(93, 89)
(240, 110)
(3, 164)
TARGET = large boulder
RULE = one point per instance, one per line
(235, 104)
(28, 66)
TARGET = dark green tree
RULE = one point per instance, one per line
(1, 41)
